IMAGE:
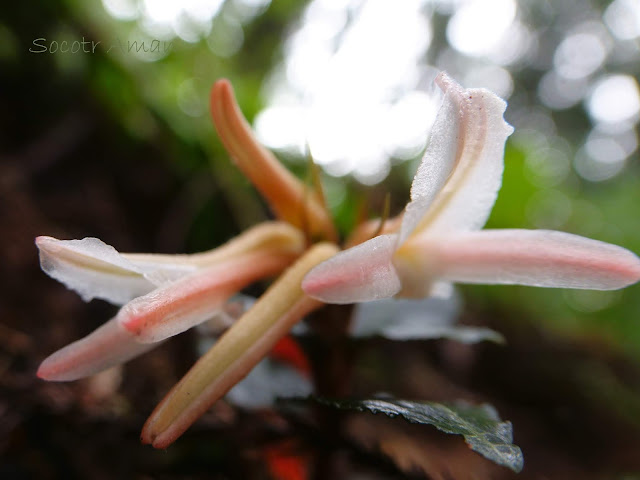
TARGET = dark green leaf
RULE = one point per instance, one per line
(480, 425)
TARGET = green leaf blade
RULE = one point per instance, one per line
(480, 426)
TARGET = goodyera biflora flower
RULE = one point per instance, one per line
(439, 237)
(436, 239)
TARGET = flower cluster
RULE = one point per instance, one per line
(436, 239)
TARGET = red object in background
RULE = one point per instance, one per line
(284, 462)
(288, 351)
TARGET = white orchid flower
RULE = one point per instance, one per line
(439, 237)
(436, 240)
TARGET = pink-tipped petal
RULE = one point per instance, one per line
(180, 305)
(473, 140)
(105, 347)
(538, 258)
(359, 274)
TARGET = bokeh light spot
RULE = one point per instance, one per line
(478, 26)
(615, 99)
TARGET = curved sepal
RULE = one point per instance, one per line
(540, 258)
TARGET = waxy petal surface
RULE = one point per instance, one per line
(540, 258)
(476, 147)
(105, 347)
(362, 273)
(438, 161)
(96, 270)
(237, 351)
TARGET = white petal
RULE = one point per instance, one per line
(359, 274)
(477, 144)
(105, 347)
(96, 270)
(437, 163)
(92, 268)
(539, 258)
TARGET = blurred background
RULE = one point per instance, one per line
(113, 139)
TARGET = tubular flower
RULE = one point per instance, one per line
(439, 237)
